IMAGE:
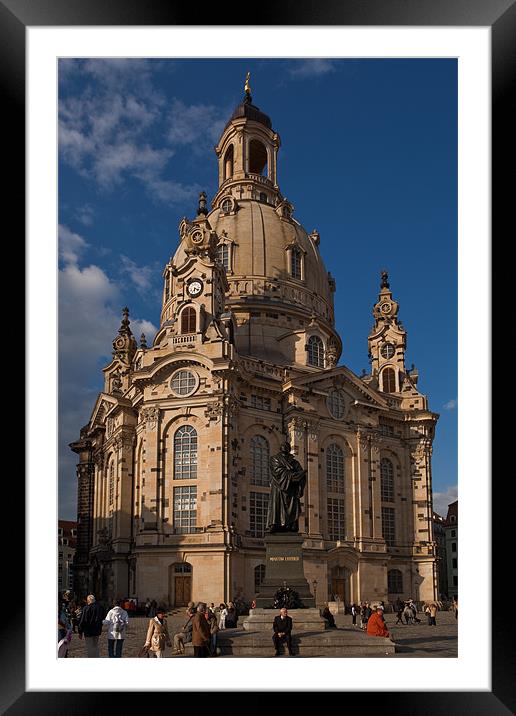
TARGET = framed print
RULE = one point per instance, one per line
(115, 176)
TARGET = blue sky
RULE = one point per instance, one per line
(368, 158)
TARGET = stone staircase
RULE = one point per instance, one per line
(343, 642)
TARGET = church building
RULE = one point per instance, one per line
(173, 471)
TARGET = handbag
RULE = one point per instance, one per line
(144, 651)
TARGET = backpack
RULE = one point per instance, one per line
(118, 623)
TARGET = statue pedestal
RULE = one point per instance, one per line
(284, 567)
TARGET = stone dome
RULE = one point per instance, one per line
(250, 111)
(260, 240)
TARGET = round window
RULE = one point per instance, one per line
(184, 382)
(337, 404)
(387, 350)
(197, 237)
(226, 205)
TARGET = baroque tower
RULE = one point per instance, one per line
(174, 462)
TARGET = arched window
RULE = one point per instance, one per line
(263, 197)
(223, 255)
(228, 163)
(111, 483)
(387, 480)
(334, 468)
(185, 453)
(389, 381)
(394, 581)
(295, 263)
(188, 320)
(315, 352)
(167, 286)
(259, 461)
(259, 576)
(257, 158)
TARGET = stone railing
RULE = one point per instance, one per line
(188, 338)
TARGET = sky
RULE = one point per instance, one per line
(368, 158)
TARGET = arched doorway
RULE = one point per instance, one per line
(339, 584)
(181, 584)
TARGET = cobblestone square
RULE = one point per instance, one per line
(413, 640)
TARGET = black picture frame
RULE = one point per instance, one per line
(500, 16)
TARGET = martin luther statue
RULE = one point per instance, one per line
(288, 481)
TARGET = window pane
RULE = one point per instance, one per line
(259, 461)
(188, 320)
(185, 509)
(395, 582)
(295, 263)
(336, 518)
(334, 469)
(388, 525)
(387, 480)
(389, 381)
(183, 382)
(185, 453)
(315, 352)
(258, 503)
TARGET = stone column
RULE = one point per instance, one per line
(364, 485)
(314, 493)
(150, 492)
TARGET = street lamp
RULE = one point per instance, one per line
(314, 583)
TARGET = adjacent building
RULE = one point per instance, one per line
(452, 551)
(173, 465)
(440, 553)
(66, 543)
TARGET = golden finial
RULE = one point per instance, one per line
(247, 86)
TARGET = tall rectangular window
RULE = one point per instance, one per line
(185, 509)
(258, 503)
(388, 525)
(336, 518)
(295, 263)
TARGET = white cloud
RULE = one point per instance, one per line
(311, 68)
(441, 500)
(450, 405)
(90, 303)
(198, 125)
(118, 126)
(85, 214)
(71, 245)
(141, 276)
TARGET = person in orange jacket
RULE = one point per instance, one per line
(376, 624)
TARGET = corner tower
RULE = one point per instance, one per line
(387, 344)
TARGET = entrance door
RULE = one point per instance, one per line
(339, 588)
(340, 577)
(183, 590)
(182, 584)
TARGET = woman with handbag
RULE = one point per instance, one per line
(157, 634)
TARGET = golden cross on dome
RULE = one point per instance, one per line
(247, 86)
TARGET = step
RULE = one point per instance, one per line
(343, 642)
(302, 620)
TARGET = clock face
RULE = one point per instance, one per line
(387, 350)
(195, 287)
(385, 307)
(197, 237)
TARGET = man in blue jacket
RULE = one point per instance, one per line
(90, 626)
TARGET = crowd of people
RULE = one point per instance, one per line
(202, 624)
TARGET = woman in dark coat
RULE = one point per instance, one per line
(329, 617)
(231, 616)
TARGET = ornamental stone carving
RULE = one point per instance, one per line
(150, 417)
(214, 411)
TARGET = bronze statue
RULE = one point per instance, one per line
(288, 481)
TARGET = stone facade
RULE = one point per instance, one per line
(173, 464)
